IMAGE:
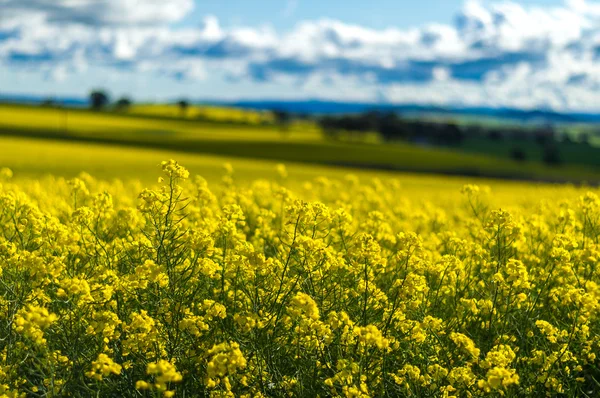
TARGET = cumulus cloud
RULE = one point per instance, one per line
(502, 54)
(101, 12)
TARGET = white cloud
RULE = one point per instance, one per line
(502, 54)
(103, 12)
(441, 74)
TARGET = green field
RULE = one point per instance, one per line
(267, 142)
(570, 152)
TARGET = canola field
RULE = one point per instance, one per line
(214, 113)
(302, 142)
(342, 285)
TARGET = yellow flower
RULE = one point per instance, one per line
(32, 320)
(173, 169)
(224, 359)
(303, 305)
(103, 366)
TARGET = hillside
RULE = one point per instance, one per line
(300, 144)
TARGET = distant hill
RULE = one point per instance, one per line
(316, 107)
(34, 99)
(324, 107)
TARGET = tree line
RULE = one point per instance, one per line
(393, 127)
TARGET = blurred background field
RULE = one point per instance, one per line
(38, 145)
(50, 159)
(220, 114)
(247, 134)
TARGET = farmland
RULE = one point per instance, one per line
(288, 199)
(256, 266)
(302, 142)
(301, 281)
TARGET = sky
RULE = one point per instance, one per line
(524, 54)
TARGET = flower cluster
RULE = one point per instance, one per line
(284, 288)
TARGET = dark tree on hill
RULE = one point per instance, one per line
(304, 116)
(496, 135)
(473, 131)
(452, 134)
(183, 107)
(566, 138)
(584, 138)
(551, 155)
(329, 126)
(517, 134)
(391, 127)
(282, 119)
(49, 102)
(281, 116)
(545, 136)
(123, 104)
(518, 154)
(370, 120)
(99, 100)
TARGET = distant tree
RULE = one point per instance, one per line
(545, 136)
(49, 102)
(123, 104)
(304, 116)
(391, 127)
(495, 135)
(418, 132)
(566, 138)
(282, 119)
(518, 154)
(452, 134)
(518, 134)
(584, 138)
(329, 126)
(99, 99)
(183, 106)
(551, 155)
(473, 131)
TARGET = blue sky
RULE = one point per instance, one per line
(375, 14)
(527, 54)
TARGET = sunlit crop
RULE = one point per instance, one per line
(213, 113)
(340, 288)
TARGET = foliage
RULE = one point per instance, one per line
(551, 154)
(123, 104)
(282, 118)
(349, 289)
(99, 99)
(518, 154)
(539, 142)
(394, 128)
(183, 106)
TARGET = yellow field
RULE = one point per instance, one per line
(215, 113)
(84, 123)
(301, 143)
(32, 159)
(240, 277)
(304, 282)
